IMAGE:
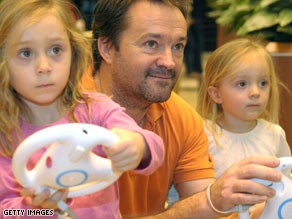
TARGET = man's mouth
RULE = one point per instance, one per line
(161, 73)
(161, 76)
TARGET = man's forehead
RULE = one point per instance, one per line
(153, 12)
(156, 17)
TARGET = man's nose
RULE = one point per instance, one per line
(166, 59)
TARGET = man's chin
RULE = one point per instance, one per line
(157, 93)
(160, 97)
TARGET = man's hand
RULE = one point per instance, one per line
(235, 186)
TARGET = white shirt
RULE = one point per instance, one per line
(265, 138)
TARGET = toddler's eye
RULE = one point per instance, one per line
(241, 84)
(263, 83)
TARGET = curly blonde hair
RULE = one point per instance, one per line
(29, 12)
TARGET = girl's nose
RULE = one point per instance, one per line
(254, 91)
(43, 65)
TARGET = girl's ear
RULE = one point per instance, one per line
(214, 94)
(104, 48)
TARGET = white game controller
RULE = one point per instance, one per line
(280, 206)
(68, 162)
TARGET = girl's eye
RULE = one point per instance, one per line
(25, 53)
(56, 50)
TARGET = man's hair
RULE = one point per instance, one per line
(110, 20)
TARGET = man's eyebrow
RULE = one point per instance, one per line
(159, 36)
(183, 38)
(154, 35)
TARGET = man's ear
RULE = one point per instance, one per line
(104, 48)
(214, 94)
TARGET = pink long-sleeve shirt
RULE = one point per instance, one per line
(102, 204)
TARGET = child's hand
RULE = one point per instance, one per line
(128, 152)
(45, 199)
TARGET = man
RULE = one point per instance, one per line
(138, 55)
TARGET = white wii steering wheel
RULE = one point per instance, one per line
(68, 162)
(280, 205)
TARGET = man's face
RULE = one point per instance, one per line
(150, 54)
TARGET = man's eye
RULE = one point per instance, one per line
(25, 53)
(151, 44)
(179, 47)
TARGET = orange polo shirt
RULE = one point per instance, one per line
(186, 157)
(87, 81)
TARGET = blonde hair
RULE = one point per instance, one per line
(225, 61)
(29, 12)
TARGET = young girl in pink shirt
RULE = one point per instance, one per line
(43, 58)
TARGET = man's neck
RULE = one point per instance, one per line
(134, 108)
(138, 115)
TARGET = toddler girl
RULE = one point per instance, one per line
(239, 102)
